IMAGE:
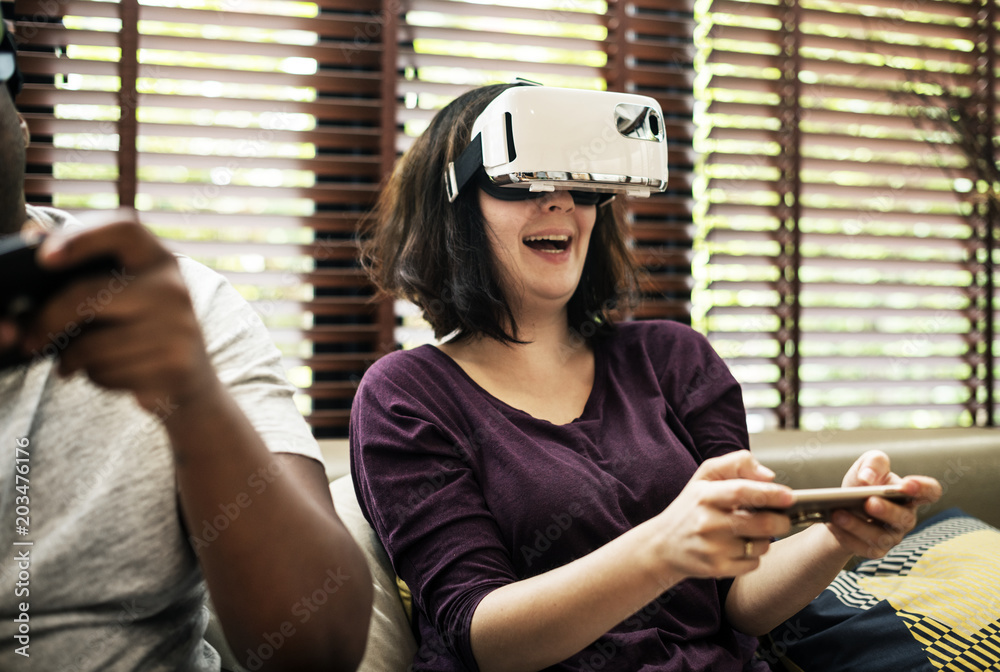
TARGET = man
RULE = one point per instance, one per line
(157, 451)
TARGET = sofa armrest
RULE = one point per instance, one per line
(965, 461)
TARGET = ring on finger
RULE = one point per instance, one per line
(747, 549)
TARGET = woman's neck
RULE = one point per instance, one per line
(542, 334)
(548, 345)
(550, 376)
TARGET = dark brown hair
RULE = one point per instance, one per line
(418, 246)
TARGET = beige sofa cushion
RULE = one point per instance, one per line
(965, 460)
(391, 645)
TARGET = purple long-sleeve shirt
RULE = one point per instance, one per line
(469, 494)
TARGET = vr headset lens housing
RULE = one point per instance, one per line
(8, 62)
(537, 139)
(484, 182)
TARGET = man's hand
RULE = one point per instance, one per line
(885, 523)
(136, 331)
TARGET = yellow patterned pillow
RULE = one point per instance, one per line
(406, 597)
(933, 603)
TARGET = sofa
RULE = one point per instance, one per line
(965, 461)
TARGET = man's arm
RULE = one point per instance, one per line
(285, 568)
(285, 547)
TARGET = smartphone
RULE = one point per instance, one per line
(25, 286)
(816, 505)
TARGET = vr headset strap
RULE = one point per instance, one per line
(461, 170)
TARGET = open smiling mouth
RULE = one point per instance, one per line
(553, 244)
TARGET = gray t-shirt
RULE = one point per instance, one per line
(110, 582)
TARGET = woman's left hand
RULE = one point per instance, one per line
(874, 534)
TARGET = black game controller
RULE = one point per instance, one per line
(25, 286)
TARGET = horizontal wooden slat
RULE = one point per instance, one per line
(323, 251)
(34, 95)
(842, 214)
(649, 25)
(46, 153)
(677, 56)
(920, 315)
(856, 22)
(942, 8)
(353, 83)
(332, 26)
(814, 141)
(675, 11)
(321, 278)
(411, 59)
(408, 33)
(674, 309)
(345, 194)
(863, 362)
(875, 409)
(99, 8)
(663, 205)
(869, 290)
(662, 232)
(665, 256)
(329, 418)
(35, 64)
(457, 8)
(332, 390)
(890, 242)
(816, 37)
(328, 137)
(358, 167)
(869, 336)
(662, 78)
(359, 111)
(666, 283)
(343, 223)
(887, 264)
(338, 53)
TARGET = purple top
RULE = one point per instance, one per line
(468, 494)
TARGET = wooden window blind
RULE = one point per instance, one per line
(849, 220)
(247, 133)
(252, 135)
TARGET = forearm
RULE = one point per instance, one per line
(276, 558)
(550, 617)
(794, 571)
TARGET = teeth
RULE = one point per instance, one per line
(560, 237)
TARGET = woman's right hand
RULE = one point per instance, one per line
(719, 525)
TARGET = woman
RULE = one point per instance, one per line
(557, 492)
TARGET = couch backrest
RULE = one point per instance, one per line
(965, 461)
(391, 645)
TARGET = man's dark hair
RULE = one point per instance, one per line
(437, 254)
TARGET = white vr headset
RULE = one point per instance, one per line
(535, 139)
